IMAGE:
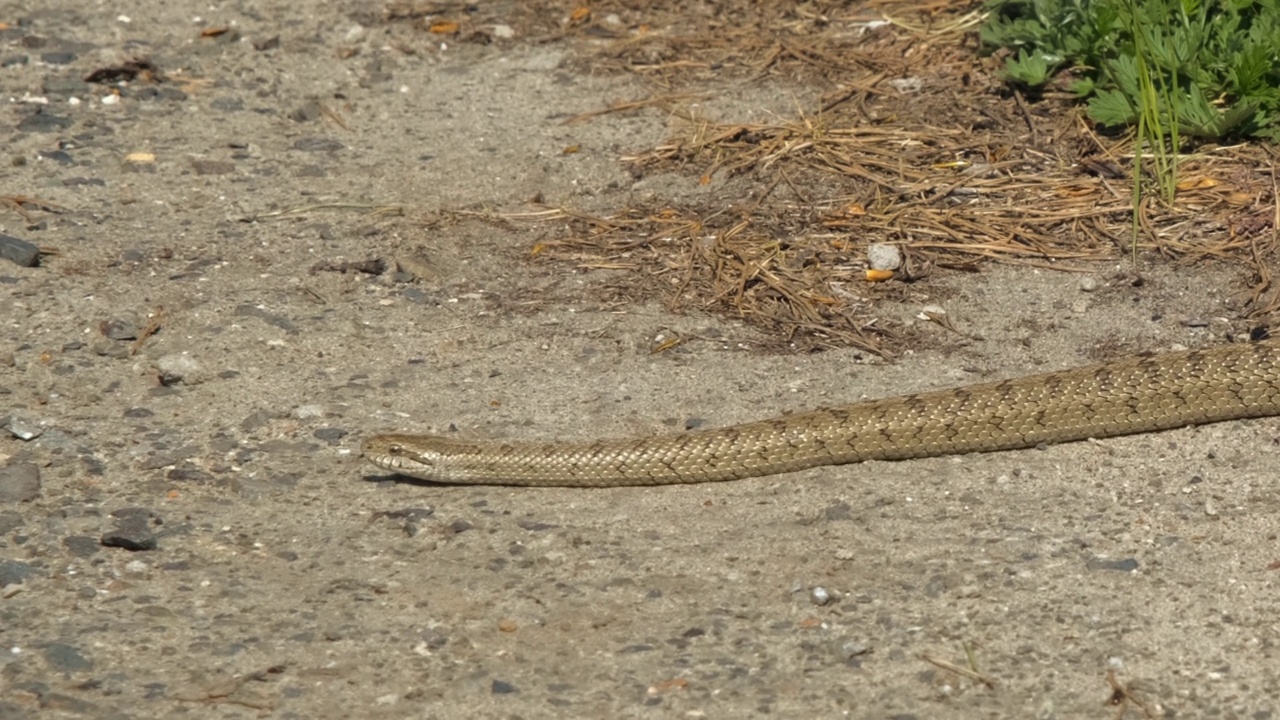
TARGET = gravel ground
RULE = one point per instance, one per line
(186, 528)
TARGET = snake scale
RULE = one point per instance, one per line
(1133, 395)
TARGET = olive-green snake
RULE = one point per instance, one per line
(1132, 395)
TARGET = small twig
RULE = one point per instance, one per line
(153, 326)
(1026, 117)
(304, 209)
(966, 672)
(629, 105)
(1121, 696)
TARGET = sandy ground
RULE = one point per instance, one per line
(290, 579)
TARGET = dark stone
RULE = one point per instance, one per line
(227, 104)
(187, 472)
(44, 122)
(309, 112)
(78, 181)
(434, 639)
(132, 530)
(19, 482)
(65, 87)
(13, 572)
(413, 513)
(62, 157)
(213, 167)
(330, 434)
(120, 328)
(138, 412)
(837, 512)
(1125, 565)
(10, 521)
(58, 58)
(81, 545)
(171, 457)
(260, 419)
(501, 687)
(69, 705)
(19, 251)
(281, 446)
(269, 318)
(317, 144)
(65, 658)
(126, 513)
(534, 526)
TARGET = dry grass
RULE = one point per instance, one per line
(914, 142)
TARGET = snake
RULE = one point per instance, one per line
(1134, 394)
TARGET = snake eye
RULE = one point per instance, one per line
(396, 450)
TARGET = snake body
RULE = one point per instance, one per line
(1133, 395)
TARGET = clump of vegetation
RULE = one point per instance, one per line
(1211, 68)
(1207, 69)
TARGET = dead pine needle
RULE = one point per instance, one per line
(962, 671)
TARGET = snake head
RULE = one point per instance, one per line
(400, 454)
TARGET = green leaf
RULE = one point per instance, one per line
(1082, 87)
(1112, 108)
(1030, 70)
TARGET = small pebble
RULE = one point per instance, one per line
(1088, 283)
(819, 596)
(307, 412)
(23, 429)
(179, 368)
(124, 327)
(850, 649)
(884, 256)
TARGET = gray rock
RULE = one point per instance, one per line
(19, 482)
(1123, 565)
(330, 434)
(22, 428)
(19, 251)
(180, 368)
(132, 530)
(317, 144)
(13, 572)
(66, 658)
(81, 545)
(43, 122)
(124, 327)
(10, 521)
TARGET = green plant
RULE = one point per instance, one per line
(1173, 68)
(1200, 68)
